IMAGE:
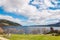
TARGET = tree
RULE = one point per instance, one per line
(45, 30)
(36, 31)
(51, 29)
(1, 30)
(21, 31)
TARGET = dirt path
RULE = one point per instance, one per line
(2, 38)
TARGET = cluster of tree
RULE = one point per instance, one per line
(33, 31)
(39, 31)
(54, 32)
(14, 31)
(24, 31)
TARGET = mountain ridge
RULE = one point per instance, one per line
(53, 25)
(8, 23)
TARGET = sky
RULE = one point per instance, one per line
(30, 12)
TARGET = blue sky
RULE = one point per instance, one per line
(30, 12)
(2, 12)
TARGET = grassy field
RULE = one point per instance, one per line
(33, 37)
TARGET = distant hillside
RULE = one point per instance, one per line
(53, 25)
(8, 23)
(56, 24)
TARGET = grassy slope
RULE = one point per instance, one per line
(33, 37)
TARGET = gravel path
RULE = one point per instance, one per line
(2, 38)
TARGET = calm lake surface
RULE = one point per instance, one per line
(27, 29)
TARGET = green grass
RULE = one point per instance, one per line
(33, 37)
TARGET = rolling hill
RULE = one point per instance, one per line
(53, 25)
(8, 23)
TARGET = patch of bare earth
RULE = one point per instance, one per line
(2, 38)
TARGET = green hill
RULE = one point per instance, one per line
(8, 23)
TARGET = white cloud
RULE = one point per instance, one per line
(10, 18)
(17, 20)
(35, 16)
